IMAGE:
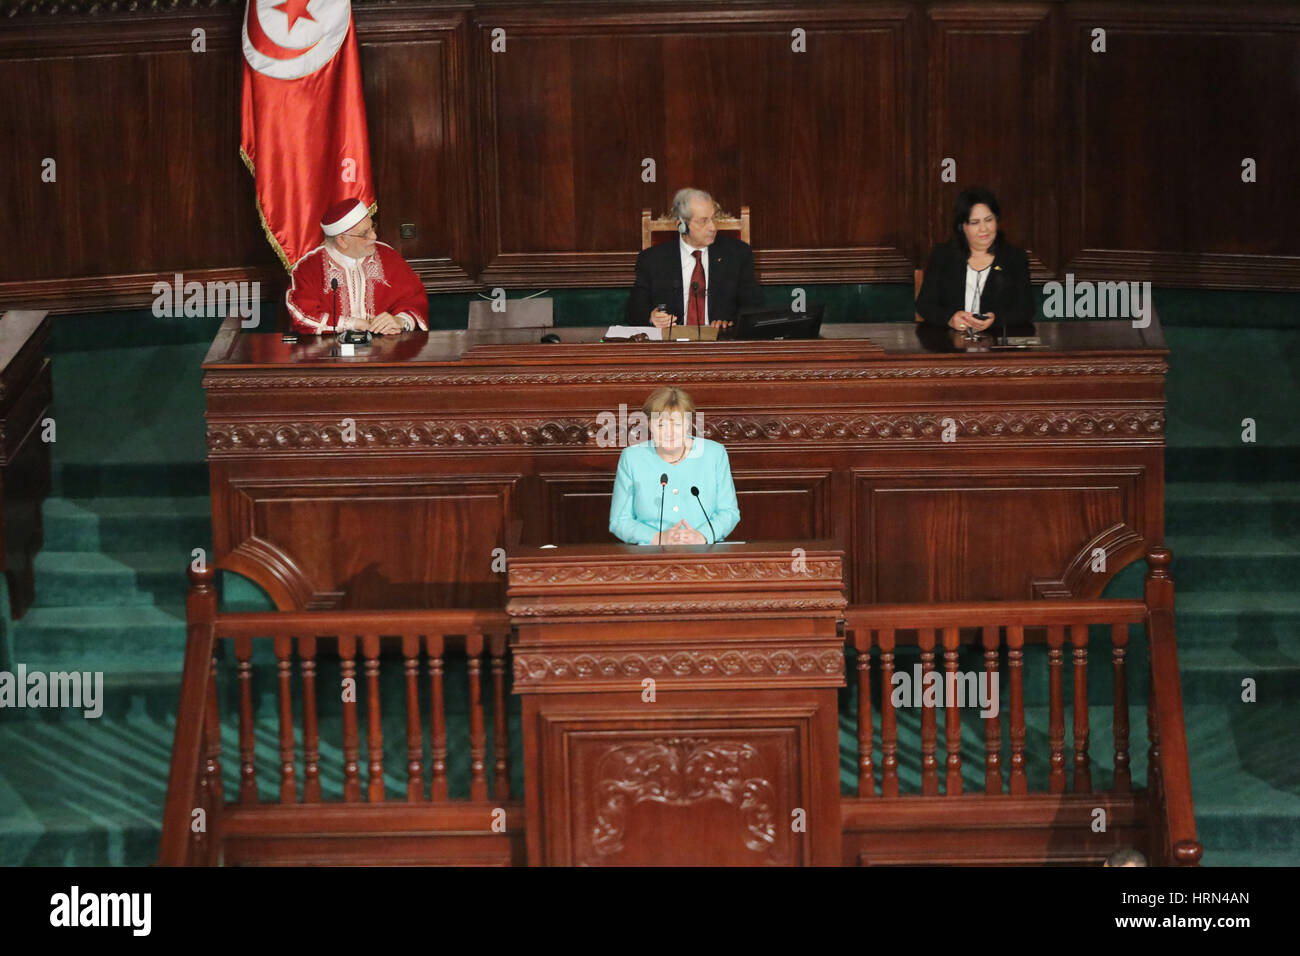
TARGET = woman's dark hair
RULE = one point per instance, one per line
(968, 200)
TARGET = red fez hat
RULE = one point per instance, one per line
(342, 216)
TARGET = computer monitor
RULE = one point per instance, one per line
(767, 323)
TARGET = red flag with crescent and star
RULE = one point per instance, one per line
(304, 118)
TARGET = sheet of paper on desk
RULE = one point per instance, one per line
(627, 331)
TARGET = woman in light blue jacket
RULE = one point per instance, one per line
(699, 499)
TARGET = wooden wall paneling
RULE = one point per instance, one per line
(776, 505)
(412, 537)
(145, 136)
(717, 98)
(1164, 118)
(981, 514)
(574, 507)
(992, 108)
(523, 168)
(415, 65)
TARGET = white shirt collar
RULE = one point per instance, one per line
(688, 250)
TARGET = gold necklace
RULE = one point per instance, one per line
(679, 457)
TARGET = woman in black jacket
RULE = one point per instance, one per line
(976, 271)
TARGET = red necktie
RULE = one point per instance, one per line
(695, 304)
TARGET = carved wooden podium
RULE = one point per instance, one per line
(679, 704)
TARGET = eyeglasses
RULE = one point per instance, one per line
(361, 235)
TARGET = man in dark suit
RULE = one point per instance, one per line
(702, 279)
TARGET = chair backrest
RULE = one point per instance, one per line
(533, 313)
(918, 276)
(664, 229)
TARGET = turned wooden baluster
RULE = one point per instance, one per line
(1056, 720)
(1016, 667)
(284, 671)
(866, 773)
(888, 719)
(212, 739)
(310, 726)
(247, 743)
(952, 716)
(437, 718)
(374, 720)
(990, 638)
(414, 738)
(1082, 762)
(1119, 646)
(477, 734)
(500, 729)
(929, 764)
(351, 749)
(1153, 735)
(199, 852)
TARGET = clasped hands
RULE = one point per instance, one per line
(680, 533)
(966, 320)
(661, 320)
(384, 323)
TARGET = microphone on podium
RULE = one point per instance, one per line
(334, 286)
(663, 490)
(696, 492)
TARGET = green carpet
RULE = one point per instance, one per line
(129, 503)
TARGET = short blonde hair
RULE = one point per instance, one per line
(669, 399)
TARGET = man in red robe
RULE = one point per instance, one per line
(377, 290)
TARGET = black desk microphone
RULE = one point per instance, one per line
(696, 492)
(663, 490)
(334, 285)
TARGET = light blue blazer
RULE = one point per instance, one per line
(634, 510)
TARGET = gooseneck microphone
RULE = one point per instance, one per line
(334, 286)
(663, 490)
(696, 492)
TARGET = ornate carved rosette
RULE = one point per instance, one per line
(680, 772)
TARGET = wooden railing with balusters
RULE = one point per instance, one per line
(360, 825)
(1034, 802)
(1011, 823)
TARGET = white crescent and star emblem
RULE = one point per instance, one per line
(288, 39)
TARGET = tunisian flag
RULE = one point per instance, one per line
(304, 119)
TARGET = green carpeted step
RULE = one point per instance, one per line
(1212, 675)
(72, 479)
(95, 579)
(1230, 560)
(154, 692)
(126, 524)
(1269, 509)
(1250, 857)
(1238, 618)
(114, 639)
(85, 792)
(1241, 463)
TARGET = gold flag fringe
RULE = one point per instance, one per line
(261, 217)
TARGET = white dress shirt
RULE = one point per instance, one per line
(975, 286)
(688, 270)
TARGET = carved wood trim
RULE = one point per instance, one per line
(1122, 545)
(699, 571)
(683, 607)
(586, 667)
(682, 771)
(244, 437)
(219, 381)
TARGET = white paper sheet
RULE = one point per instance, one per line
(627, 331)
